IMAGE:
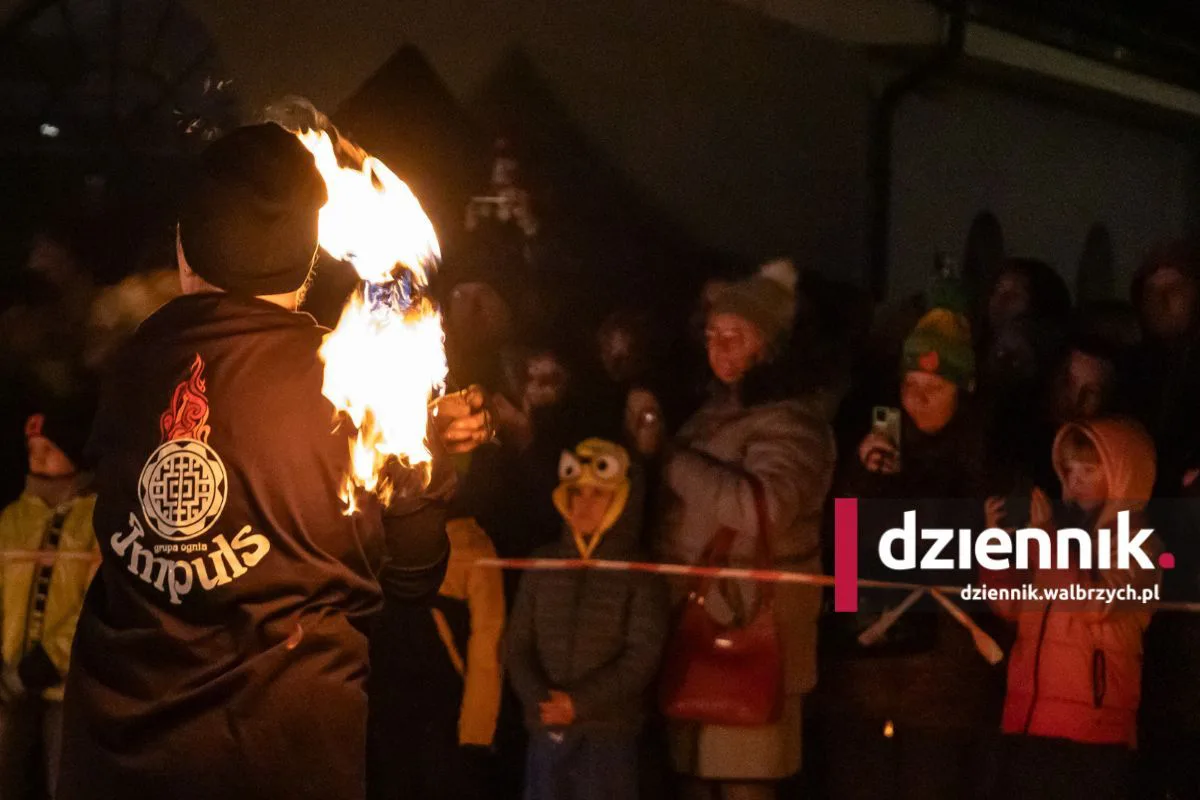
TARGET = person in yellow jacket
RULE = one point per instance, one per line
(436, 682)
(482, 590)
(40, 600)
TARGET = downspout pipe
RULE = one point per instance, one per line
(881, 141)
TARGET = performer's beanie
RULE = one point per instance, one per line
(248, 224)
(767, 299)
(941, 344)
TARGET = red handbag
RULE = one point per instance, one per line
(725, 675)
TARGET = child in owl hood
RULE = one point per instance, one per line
(584, 645)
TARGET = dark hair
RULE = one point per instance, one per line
(1049, 297)
(1182, 255)
(791, 373)
(1095, 346)
(638, 321)
(1076, 445)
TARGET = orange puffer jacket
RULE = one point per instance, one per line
(1075, 671)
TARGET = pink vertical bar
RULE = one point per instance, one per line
(845, 554)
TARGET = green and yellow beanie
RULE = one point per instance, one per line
(941, 344)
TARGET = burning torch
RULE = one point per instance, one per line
(385, 361)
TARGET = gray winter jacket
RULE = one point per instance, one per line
(789, 448)
(597, 636)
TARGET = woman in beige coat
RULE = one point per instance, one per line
(750, 429)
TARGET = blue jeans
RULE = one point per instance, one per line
(576, 766)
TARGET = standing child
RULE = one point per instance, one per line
(1075, 672)
(584, 645)
(41, 600)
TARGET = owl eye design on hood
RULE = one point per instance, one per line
(606, 467)
(598, 464)
(569, 468)
(595, 462)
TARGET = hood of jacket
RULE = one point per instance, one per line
(623, 537)
(1127, 457)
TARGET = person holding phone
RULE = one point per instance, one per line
(938, 368)
(912, 716)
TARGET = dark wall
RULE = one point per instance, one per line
(1047, 171)
(747, 134)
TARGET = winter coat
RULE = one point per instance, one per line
(476, 593)
(789, 449)
(597, 636)
(228, 620)
(1076, 667)
(1170, 691)
(925, 672)
(24, 526)
(1164, 377)
(1164, 383)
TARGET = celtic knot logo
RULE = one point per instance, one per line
(183, 485)
(182, 489)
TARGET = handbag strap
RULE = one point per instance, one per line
(763, 557)
(716, 552)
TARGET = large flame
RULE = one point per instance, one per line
(372, 219)
(386, 359)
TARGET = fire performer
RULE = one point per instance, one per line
(222, 651)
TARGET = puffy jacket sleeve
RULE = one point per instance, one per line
(524, 670)
(790, 454)
(633, 671)
(485, 603)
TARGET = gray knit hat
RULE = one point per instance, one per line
(767, 299)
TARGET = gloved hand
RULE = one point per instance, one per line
(37, 672)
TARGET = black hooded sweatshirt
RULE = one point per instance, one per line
(222, 649)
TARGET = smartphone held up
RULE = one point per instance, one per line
(886, 426)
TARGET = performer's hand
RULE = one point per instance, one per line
(462, 422)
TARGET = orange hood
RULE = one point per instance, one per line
(1127, 457)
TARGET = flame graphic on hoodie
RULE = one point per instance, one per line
(187, 418)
